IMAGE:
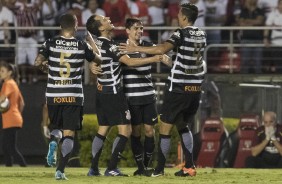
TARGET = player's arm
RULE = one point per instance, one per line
(158, 49)
(41, 63)
(92, 43)
(143, 61)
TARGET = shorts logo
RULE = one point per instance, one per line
(192, 88)
(127, 115)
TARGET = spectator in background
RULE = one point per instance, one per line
(77, 7)
(215, 16)
(48, 13)
(6, 20)
(274, 37)
(139, 9)
(267, 6)
(26, 14)
(92, 7)
(156, 12)
(267, 147)
(12, 120)
(210, 102)
(172, 11)
(62, 6)
(117, 11)
(233, 10)
(251, 15)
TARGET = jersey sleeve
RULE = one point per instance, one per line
(89, 53)
(176, 38)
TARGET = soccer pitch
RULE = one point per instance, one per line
(42, 175)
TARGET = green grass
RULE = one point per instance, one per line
(42, 175)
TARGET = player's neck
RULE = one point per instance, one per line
(186, 24)
(67, 34)
(107, 34)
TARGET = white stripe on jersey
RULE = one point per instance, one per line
(115, 81)
(64, 94)
(140, 68)
(64, 86)
(57, 69)
(140, 93)
(192, 40)
(136, 76)
(190, 48)
(137, 85)
(190, 66)
(195, 81)
(66, 60)
(61, 78)
(67, 51)
(183, 73)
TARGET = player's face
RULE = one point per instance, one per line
(105, 21)
(268, 120)
(4, 73)
(180, 17)
(135, 32)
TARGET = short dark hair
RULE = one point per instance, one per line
(68, 21)
(129, 22)
(190, 11)
(92, 25)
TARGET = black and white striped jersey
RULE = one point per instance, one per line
(137, 81)
(110, 79)
(65, 59)
(188, 69)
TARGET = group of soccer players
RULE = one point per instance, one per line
(127, 105)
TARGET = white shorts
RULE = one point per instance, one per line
(26, 51)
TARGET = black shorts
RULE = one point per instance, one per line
(180, 109)
(146, 114)
(65, 117)
(112, 109)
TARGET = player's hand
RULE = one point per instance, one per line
(128, 48)
(95, 69)
(272, 133)
(46, 132)
(268, 132)
(44, 67)
(166, 60)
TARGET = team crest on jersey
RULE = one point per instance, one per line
(99, 43)
(114, 49)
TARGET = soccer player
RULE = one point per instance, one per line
(64, 56)
(140, 93)
(182, 96)
(112, 108)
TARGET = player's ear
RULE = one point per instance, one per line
(127, 31)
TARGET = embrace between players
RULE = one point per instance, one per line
(129, 106)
